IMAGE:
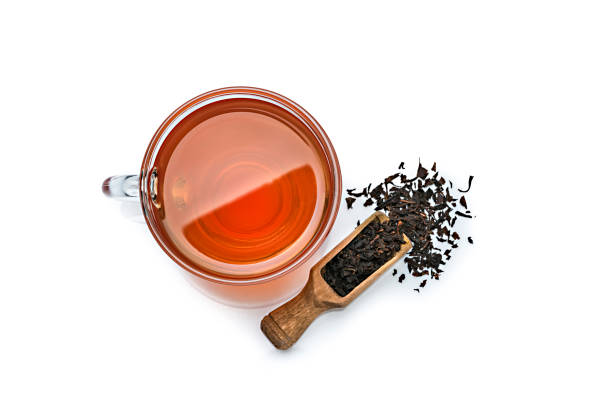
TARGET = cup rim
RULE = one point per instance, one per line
(331, 162)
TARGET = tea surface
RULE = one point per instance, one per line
(240, 183)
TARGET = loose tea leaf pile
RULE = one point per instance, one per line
(373, 247)
(423, 209)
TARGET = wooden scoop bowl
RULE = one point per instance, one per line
(285, 324)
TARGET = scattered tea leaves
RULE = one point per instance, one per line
(424, 209)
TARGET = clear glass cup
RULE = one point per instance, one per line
(272, 286)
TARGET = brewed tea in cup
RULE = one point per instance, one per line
(240, 186)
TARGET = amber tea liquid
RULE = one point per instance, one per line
(241, 184)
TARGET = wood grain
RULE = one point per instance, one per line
(285, 324)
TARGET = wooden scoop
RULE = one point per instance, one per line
(285, 324)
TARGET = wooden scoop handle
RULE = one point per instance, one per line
(284, 325)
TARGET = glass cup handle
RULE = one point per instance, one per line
(121, 187)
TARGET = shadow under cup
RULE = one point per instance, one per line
(240, 187)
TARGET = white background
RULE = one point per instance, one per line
(518, 93)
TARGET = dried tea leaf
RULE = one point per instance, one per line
(469, 185)
(351, 192)
(422, 172)
(391, 178)
(349, 202)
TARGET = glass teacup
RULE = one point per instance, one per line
(240, 187)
